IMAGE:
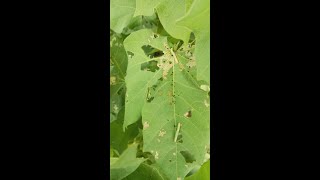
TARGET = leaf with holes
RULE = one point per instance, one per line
(139, 80)
(174, 113)
(176, 121)
(197, 20)
(159, 89)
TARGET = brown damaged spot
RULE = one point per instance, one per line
(162, 133)
(113, 80)
(188, 114)
(166, 61)
(165, 64)
(191, 63)
(145, 125)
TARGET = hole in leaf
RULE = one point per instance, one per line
(150, 99)
(130, 54)
(179, 139)
(188, 157)
(151, 52)
(150, 66)
(154, 87)
(188, 114)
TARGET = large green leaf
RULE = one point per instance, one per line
(154, 78)
(197, 20)
(125, 164)
(203, 173)
(177, 100)
(167, 97)
(121, 12)
(145, 7)
(139, 81)
(169, 11)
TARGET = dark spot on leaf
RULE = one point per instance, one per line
(150, 51)
(130, 53)
(188, 157)
(154, 87)
(150, 99)
(188, 114)
(179, 139)
(150, 66)
(170, 160)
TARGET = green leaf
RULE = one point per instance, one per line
(188, 4)
(141, 22)
(178, 99)
(146, 171)
(169, 11)
(138, 81)
(118, 62)
(145, 7)
(203, 173)
(121, 12)
(119, 140)
(125, 164)
(162, 84)
(197, 20)
(118, 57)
(168, 97)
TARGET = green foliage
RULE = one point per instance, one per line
(203, 173)
(125, 164)
(160, 92)
(198, 20)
